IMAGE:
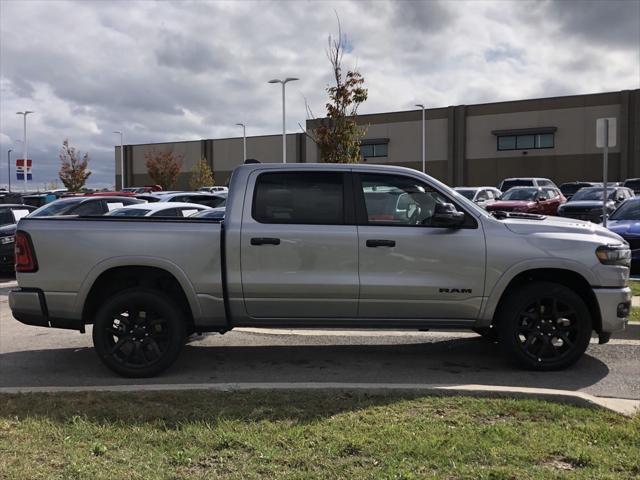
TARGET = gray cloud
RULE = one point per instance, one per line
(165, 71)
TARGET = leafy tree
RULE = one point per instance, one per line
(202, 176)
(163, 167)
(73, 171)
(338, 135)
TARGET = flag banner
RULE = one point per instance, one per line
(20, 169)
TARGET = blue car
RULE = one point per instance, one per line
(625, 221)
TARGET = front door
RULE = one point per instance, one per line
(299, 246)
(409, 268)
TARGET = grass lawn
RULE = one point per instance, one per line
(635, 287)
(302, 435)
(635, 314)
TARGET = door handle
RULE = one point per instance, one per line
(381, 243)
(265, 241)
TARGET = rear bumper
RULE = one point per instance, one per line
(29, 306)
(615, 305)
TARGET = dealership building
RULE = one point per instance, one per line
(465, 144)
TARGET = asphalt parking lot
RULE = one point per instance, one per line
(39, 357)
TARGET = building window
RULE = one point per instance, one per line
(374, 150)
(526, 142)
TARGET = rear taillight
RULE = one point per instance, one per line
(25, 255)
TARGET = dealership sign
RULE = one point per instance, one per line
(20, 169)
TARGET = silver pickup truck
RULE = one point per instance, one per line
(329, 246)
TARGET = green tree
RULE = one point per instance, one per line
(202, 176)
(163, 167)
(339, 135)
(74, 171)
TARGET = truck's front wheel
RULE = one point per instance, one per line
(544, 326)
(138, 332)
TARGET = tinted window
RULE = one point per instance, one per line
(507, 184)
(59, 207)
(591, 194)
(395, 200)
(633, 184)
(627, 211)
(525, 141)
(314, 198)
(88, 208)
(468, 194)
(6, 217)
(169, 212)
(129, 212)
(507, 142)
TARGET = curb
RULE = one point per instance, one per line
(621, 406)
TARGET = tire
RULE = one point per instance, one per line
(544, 326)
(146, 345)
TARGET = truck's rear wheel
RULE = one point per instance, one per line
(544, 326)
(138, 332)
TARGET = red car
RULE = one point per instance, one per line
(542, 200)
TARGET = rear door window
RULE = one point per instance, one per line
(89, 208)
(313, 198)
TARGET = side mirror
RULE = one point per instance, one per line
(541, 199)
(445, 215)
(620, 198)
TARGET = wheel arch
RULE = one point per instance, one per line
(110, 279)
(569, 278)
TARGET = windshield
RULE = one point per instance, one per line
(507, 184)
(56, 208)
(591, 194)
(520, 194)
(466, 193)
(571, 188)
(632, 184)
(629, 210)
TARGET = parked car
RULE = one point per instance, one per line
(84, 206)
(145, 189)
(481, 196)
(208, 199)
(509, 183)
(10, 215)
(39, 199)
(633, 184)
(213, 189)
(541, 200)
(159, 209)
(213, 213)
(304, 245)
(586, 204)
(570, 188)
(625, 221)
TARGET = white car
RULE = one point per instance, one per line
(215, 189)
(481, 196)
(159, 209)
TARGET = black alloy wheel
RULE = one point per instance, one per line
(545, 326)
(138, 332)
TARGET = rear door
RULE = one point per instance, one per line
(409, 269)
(299, 245)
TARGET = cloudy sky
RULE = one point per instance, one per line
(165, 71)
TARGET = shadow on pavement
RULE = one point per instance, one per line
(458, 361)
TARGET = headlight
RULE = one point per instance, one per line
(7, 240)
(614, 255)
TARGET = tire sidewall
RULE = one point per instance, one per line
(159, 302)
(508, 318)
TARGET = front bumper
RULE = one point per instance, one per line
(29, 306)
(614, 304)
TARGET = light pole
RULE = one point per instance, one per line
(9, 168)
(24, 145)
(121, 161)
(424, 141)
(244, 141)
(284, 128)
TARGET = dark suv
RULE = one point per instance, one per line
(586, 204)
(633, 184)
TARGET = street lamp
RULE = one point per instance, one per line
(9, 167)
(284, 128)
(121, 161)
(424, 141)
(244, 141)
(24, 145)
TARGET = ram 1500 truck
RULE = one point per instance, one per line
(329, 246)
